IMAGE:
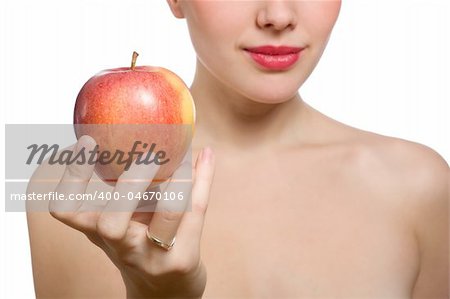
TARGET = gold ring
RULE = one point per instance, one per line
(159, 242)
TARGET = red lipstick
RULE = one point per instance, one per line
(274, 57)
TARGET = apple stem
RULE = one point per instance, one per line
(133, 60)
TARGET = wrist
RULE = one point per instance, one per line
(134, 293)
(189, 287)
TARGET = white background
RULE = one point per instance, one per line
(386, 69)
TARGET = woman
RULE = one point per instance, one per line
(298, 205)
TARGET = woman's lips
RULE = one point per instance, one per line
(273, 57)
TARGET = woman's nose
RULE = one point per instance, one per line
(276, 15)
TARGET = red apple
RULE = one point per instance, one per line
(151, 105)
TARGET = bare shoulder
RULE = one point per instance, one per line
(414, 178)
(391, 163)
(402, 166)
(395, 168)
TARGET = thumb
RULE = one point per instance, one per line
(75, 178)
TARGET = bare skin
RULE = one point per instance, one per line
(301, 206)
(342, 216)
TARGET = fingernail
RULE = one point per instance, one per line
(207, 154)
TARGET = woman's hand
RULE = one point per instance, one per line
(147, 269)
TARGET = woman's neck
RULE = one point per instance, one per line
(227, 119)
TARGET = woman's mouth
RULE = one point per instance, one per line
(274, 57)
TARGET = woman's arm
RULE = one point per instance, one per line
(65, 263)
(432, 226)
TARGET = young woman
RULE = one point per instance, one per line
(286, 202)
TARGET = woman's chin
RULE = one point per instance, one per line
(272, 96)
(271, 90)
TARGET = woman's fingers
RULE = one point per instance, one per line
(73, 182)
(169, 212)
(192, 224)
(112, 224)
